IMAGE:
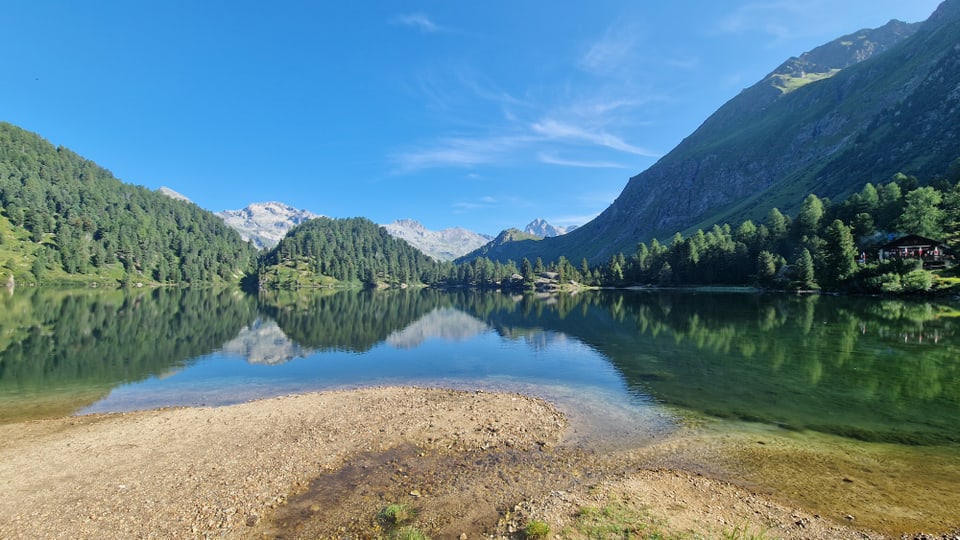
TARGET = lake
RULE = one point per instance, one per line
(849, 405)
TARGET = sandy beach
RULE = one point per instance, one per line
(469, 464)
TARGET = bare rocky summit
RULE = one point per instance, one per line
(443, 245)
(544, 229)
(265, 223)
(173, 194)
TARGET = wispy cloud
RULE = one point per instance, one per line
(602, 106)
(552, 159)
(458, 152)
(486, 90)
(465, 152)
(581, 120)
(482, 202)
(416, 20)
(487, 202)
(611, 51)
(554, 129)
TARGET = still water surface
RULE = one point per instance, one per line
(839, 392)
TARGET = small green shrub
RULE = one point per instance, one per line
(396, 514)
(917, 281)
(537, 529)
(409, 533)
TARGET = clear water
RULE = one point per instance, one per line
(859, 393)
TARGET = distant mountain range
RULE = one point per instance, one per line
(443, 245)
(265, 223)
(858, 109)
(540, 227)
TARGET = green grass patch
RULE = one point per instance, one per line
(788, 84)
(947, 284)
(536, 529)
(618, 520)
(396, 514)
(409, 533)
(395, 520)
(298, 274)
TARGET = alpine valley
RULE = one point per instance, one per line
(867, 108)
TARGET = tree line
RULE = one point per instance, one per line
(62, 215)
(77, 219)
(826, 245)
(346, 250)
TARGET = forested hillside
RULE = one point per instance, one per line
(858, 110)
(824, 245)
(325, 251)
(63, 217)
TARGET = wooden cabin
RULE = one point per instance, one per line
(934, 254)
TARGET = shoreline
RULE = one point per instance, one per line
(324, 464)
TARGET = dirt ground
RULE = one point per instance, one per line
(326, 465)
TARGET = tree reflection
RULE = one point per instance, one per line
(87, 342)
(884, 370)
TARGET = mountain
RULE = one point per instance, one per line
(265, 223)
(321, 252)
(164, 190)
(443, 245)
(540, 227)
(858, 109)
(263, 342)
(65, 218)
(504, 242)
(446, 323)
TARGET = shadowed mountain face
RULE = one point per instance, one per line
(859, 109)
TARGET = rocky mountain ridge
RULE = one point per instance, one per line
(444, 245)
(858, 109)
(164, 190)
(542, 228)
(265, 223)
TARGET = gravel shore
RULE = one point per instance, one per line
(325, 465)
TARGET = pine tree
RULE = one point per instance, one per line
(839, 253)
(766, 268)
(804, 276)
(526, 270)
(922, 214)
(951, 217)
(808, 219)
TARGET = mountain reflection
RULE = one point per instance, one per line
(865, 368)
(443, 323)
(263, 342)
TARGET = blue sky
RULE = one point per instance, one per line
(483, 115)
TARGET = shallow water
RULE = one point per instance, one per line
(856, 401)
